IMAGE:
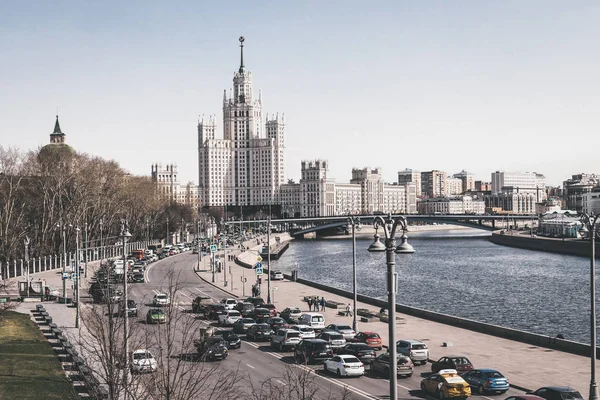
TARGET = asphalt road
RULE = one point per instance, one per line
(257, 359)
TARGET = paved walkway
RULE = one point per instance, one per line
(526, 366)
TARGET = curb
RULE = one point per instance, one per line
(524, 389)
(217, 287)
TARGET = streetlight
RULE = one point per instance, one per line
(26, 242)
(77, 270)
(589, 222)
(125, 236)
(64, 282)
(354, 221)
(269, 256)
(389, 226)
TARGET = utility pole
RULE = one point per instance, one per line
(26, 242)
(87, 248)
(101, 244)
(167, 230)
(77, 270)
(125, 236)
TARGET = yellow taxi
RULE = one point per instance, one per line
(446, 384)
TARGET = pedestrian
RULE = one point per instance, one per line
(310, 302)
(348, 310)
(323, 303)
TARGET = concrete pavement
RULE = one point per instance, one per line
(526, 366)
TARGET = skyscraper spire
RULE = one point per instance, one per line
(241, 54)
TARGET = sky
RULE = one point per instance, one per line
(474, 85)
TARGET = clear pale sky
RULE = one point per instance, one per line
(448, 85)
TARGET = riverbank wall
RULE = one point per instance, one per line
(576, 247)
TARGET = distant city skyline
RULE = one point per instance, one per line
(496, 86)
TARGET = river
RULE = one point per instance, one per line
(459, 272)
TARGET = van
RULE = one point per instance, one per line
(312, 319)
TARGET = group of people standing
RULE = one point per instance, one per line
(316, 304)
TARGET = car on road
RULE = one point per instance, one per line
(143, 361)
(195, 251)
(362, 351)
(284, 339)
(486, 381)
(271, 307)
(199, 304)
(371, 339)
(525, 397)
(310, 351)
(335, 339)
(381, 365)
(243, 324)
(229, 303)
(558, 393)
(291, 314)
(245, 308)
(233, 340)
(131, 309)
(229, 317)
(161, 299)
(345, 330)
(459, 363)
(156, 316)
(276, 323)
(276, 275)
(306, 332)
(137, 278)
(344, 365)
(415, 349)
(214, 310)
(259, 332)
(446, 384)
(257, 301)
(261, 314)
(212, 348)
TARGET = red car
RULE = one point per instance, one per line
(271, 308)
(371, 339)
(459, 363)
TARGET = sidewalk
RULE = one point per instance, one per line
(525, 366)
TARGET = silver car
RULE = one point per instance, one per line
(345, 330)
(415, 349)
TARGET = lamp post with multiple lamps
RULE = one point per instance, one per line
(354, 221)
(389, 225)
(77, 273)
(125, 236)
(589, 222)
(269, 256)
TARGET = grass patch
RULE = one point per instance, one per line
(29, 368)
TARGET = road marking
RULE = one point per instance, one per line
(250, 366)
(214, 298)
(183, 294)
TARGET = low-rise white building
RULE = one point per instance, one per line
(452, 205)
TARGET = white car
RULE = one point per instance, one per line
(306, 332)
(276, 275)
(229, 317)
(229, 303)
(143, 361)
(161, 299)
(344, 365)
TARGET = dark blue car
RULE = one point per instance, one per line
(486, 380)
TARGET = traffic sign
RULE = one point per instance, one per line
(74, 276)
(213, 248)
(259, 271)
(258, 265)
(65, 276)
(259, 258)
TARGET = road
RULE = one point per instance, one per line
(257, 359)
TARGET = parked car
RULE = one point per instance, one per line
(344, 365)
(199, 305)
(291, 314)
(229, 303)
(130, 310)
(156, 316)
(306, 332)
(415, 349)
(276, 323)
(243, 324)
(345, 330)
(313, 319)
(261, 314)
(371, 339)
(259, 332)
(276, 275)
(558, 393)
(229, 317)
(381, 365)
(272, 309)
(362, 351)
(336, 340)
(283, 339)
(257, 301)
(459, 363)
(214, 310)
(445, 384)
(161, 299)
(310, 351)
(245, 308)
(486, 380)
(525, 397)
(233, 341)
(143, 361)
(137, 278)
(212, 348)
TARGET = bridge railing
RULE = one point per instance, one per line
(19, 267)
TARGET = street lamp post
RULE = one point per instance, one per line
(77, 273)
(389, 225)
(26, 242)
(353, 221)
(125, 236)
(269, 256)
(167, 238)
(101, 244)
(590, 223)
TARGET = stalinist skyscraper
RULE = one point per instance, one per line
(245, 167)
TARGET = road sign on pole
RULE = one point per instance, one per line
(74, 276)
(258, 265)
(259, 258)
(213, 248)
(259, 271)
(65, 276)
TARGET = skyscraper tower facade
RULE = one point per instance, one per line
(246, 166)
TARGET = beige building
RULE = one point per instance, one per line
(452, 205)
(410, 176)
(169, 187)
(454, 186)
(468, 180)
(433, 183)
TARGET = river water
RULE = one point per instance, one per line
(461, 273)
